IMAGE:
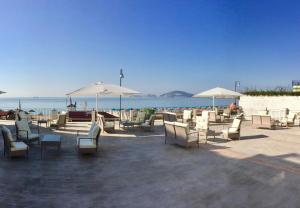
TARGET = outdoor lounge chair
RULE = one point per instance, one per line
(263, 121)
(233, 132)
(13, 148)
(169, 116)
(24, 133)
(106, 126)
(149, 124)
(289, 120)
(187, 116)
(213, 117)
(60, 122)
(184, 136)
(202, 126)
(22, 115)
(89, 143)
(227, 113)
(180, 134)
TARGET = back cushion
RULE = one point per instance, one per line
(7, 133)
(23, 128)
(170, 131)
(140, 116)
(187, 114)
(93, 132)
(201, 123)
(22, 115)
(181, 131)
(236, 124)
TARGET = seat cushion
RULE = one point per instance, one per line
(18, 146)
(86, 143)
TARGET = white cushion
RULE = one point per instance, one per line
(87, 143)
(23, 128)
(236, 123)
(17, 146)
(93, 132)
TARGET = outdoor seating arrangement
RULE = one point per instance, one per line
(263, 121)
(13, 148)
(106, 126)
(60, 122)
(21, 115)
(148, 125)
(233, 132)
(289, 120)
(214, 118)
(24, 132)
(180, 134)
(139, 120)
(202, 126)
(187, 116)
(169, 116)
(89, 143)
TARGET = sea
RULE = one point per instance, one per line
(106, 103)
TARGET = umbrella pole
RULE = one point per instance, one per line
(97, 102)
(213, 102)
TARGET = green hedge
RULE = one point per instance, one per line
(271, 93)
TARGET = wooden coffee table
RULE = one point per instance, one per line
(50, 140)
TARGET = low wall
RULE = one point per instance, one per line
(276, 105)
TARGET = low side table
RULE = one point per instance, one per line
(50, 140)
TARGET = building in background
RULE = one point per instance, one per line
(296, 85)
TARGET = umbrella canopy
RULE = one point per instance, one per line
(218, 92)
(102, 89)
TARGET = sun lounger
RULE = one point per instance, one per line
(12, 147)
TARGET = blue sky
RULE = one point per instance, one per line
(48, 48)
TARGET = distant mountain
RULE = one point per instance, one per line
(174, 94)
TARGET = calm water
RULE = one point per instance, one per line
(107, 103)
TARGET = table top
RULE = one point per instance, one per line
(51, 138)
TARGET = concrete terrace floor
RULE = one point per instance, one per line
(136, 169)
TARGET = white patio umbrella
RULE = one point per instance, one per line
(219, 92)
(102, 89)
